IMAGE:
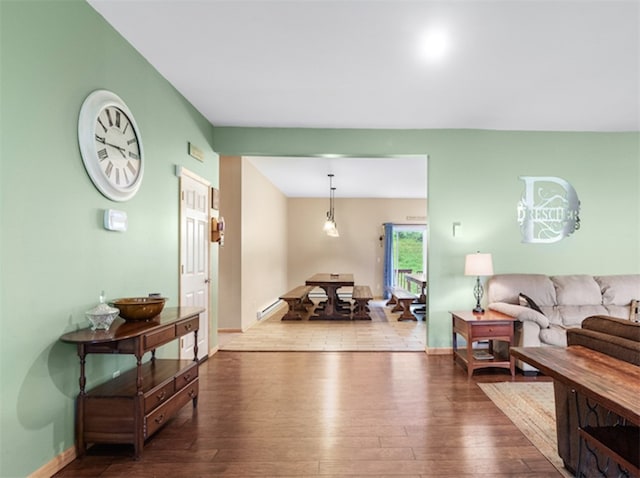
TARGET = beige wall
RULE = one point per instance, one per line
(264, 243)
(253, 259)
(230, 254)
(358, 250)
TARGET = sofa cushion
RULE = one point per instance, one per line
(620, 312)
(554, 335)
(507, 288)
(573, 315)
(577, 290)
(619, 289)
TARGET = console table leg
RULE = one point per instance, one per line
(195, 345)
(81, 445)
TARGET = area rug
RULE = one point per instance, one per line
(530, 406)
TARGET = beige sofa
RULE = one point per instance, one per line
(563, 301)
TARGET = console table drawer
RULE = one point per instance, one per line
(158, 396)
(186, 376)
(164, 412)
(159, 337)
(187, 326)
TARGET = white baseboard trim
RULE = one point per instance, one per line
(58, 463)
(439, 350)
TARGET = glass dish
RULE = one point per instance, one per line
(102, 316)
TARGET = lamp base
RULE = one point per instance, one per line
(477, 293)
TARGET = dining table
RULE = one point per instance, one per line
(333, 308)
(420, 279)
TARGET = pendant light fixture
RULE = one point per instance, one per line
(330, 224)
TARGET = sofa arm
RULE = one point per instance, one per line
(521, 313)
(613, 326)
(618, 347)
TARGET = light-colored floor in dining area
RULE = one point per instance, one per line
(382, 333)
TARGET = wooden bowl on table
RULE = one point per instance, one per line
(139, 308)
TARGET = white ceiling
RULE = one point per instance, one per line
(353, 177)
(562, 65)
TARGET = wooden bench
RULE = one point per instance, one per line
(296, 300)
(402, 300)
(361, 295)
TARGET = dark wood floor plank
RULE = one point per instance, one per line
(331, 414)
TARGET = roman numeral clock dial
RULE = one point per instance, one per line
(110, 145)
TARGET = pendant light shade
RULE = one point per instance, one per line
(330, 227)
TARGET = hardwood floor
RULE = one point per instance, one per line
(331, 414)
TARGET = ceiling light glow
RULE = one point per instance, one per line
(434, 44)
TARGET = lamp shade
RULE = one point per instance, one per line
(478, 264)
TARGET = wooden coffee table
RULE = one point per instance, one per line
(474, 327)
(609, 385)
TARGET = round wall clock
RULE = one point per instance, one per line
(110, 145)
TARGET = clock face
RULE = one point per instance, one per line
(110, 145)
(117, 147)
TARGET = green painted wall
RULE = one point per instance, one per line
(55, 256)
(473, 179)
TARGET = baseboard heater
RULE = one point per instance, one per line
(269, 309)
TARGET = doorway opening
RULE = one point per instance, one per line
(409, 252)
(390, 197)
(405, 258)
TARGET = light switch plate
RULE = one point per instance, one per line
(115, 220)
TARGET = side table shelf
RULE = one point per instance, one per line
(132, 407)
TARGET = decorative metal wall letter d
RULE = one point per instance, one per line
(549, 209)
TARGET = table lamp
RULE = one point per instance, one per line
(478, 265)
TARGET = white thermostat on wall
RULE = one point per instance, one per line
(115, 220)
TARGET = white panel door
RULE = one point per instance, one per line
(194, 259)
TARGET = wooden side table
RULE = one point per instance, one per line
(489, 326)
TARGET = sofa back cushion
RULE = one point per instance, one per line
(619, 289)
(573, 315)
(577, 290)
(567, 299)
(507, 288)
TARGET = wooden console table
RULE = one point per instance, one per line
(133, 406)
(610, 383)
